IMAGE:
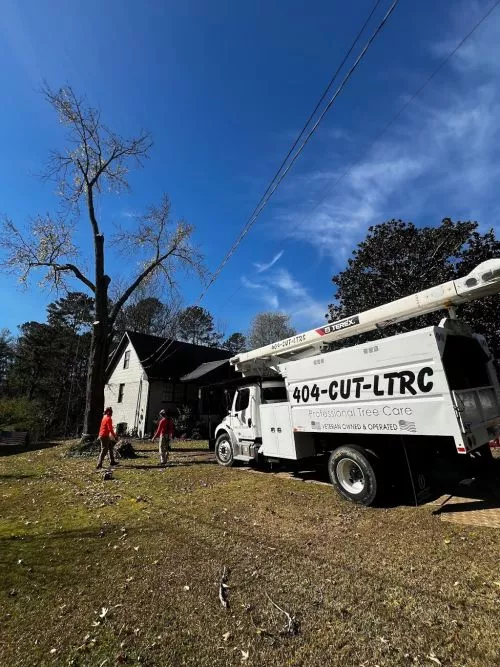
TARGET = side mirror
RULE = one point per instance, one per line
(249, 422)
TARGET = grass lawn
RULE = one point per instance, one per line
(127, 571)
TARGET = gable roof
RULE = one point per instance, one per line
(164, 359)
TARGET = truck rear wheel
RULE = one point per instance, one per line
(353, 473)
(224, 451)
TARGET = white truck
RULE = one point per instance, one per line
(382, 410)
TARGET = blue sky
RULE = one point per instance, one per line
(223, 87)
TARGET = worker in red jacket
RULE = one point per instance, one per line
(165, 430)
(107, 438)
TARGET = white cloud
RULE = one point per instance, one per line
(263, 292)
(265, 267)
(439, 160)
(279, 290)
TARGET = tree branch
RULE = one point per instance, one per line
(66, 267)
(135, 284)
(91, 209)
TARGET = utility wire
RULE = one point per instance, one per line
(265, 200)
(313, 113)
(165, 346)
(396, 117)
(327, 190)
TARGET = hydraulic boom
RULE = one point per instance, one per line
(484, 280)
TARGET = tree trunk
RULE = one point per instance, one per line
(94, 403)
(99, 349)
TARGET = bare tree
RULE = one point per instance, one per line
(267, 328)
(96, 159)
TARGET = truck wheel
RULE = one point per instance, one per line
(352, 473)
(224, 451)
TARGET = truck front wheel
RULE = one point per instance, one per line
(224, 451)
(353, 474)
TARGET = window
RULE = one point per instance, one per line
(242, 400)
(274, 394)
(121, 387)
(126, 359)
(168, 392)
(179, 393)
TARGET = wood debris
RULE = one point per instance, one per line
(292, 625)
(223, 588)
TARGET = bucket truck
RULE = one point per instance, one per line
(374, 407)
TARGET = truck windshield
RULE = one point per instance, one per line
(273, 395)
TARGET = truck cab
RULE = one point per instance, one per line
(239, 435)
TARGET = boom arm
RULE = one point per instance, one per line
(484, 280)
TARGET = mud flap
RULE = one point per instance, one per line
(419, 469)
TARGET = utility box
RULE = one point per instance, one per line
(278, 437)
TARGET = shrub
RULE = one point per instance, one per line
(20, 414)
(185, 424)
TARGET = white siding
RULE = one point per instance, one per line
(132, 409)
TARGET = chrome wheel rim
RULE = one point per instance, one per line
(350, 476)
(224, 451)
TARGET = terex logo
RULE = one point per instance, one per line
(340, 324)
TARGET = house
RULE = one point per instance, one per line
(147, 373)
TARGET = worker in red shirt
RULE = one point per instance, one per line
(165, 430)
(107, 438)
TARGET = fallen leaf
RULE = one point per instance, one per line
(53, 650)
(186, 588)
(136, 548)
(226, 636)
(20, 561)
(244, 655)
(432, 657)
(104, 611)
(447, 541)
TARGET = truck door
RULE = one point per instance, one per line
(242, 420)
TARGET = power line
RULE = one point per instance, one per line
(165, 346)
(432, 75)
(263, 203)
(396, 117)
(313, 113)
